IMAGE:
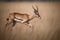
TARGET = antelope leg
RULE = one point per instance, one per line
(28, 24)
(14, 22)
(8, 23)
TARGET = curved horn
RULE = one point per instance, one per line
(36, 7)
(33, 8)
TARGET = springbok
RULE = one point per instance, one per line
(22, 18)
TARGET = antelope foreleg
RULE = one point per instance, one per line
(29, 24)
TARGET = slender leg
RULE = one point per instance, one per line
(8, 23)
(27, 23)
(14, 22)
(6, 26)
(30, 25)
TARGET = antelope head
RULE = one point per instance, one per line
(36, 12)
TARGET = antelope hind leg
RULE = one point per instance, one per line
(8, 24)
(14, 22)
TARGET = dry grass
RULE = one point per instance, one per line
(46, 28)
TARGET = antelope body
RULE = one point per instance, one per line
(21, 18)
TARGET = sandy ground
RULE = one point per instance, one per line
(46, 28)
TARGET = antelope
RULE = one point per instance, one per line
(22, 18)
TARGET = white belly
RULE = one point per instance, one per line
(17, 20)
(20, 21)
